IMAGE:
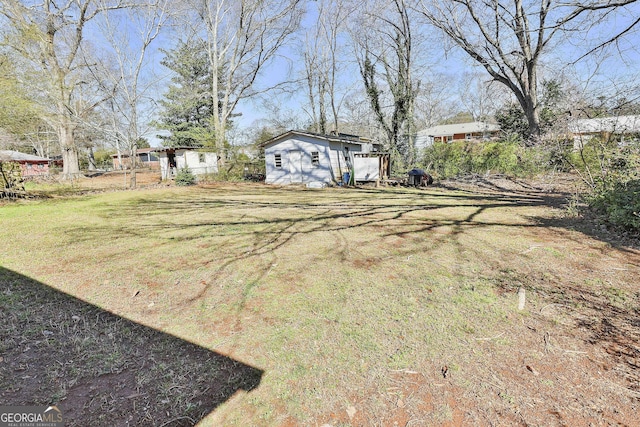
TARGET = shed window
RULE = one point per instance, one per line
(449, 138)
(315, 158)
(278, 160)
(201, 158)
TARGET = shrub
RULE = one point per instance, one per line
(465, 157)
(620, 203)
(10, 179)
(230, 173)
(184, 177)
(611, 170)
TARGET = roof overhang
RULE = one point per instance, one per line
(339, 138)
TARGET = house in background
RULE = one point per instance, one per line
(199, 161)
(316, 160)
(146, 159)
(605, 128)
(455, 132)
(30, 165)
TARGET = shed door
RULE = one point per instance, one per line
(295, 163)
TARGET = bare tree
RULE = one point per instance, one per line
(323, 63)
(122, 77)
(50, 35)
(241, 38)
(479, 97)
(510, 37)
(388, 45)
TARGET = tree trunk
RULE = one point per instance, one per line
(534, 123)
(92, 160)
(70, 162)
(531, 111)
(322, 107)
(134, 163)
(220, 151)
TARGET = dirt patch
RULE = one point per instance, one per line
(557, 184)
(557, 190)
(120, 179)
(105, 394)
(101, 369)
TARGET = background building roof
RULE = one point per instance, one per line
(16, 156)
(471, 127)
(619, 124)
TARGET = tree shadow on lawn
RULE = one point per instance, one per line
(605, 312)
(602, 315)
(318, 213)
(102, 369)
(271, 224)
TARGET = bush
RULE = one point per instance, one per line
(10, 179)
(620, 203)
(448, 159)
(226, 174)
(611, 170)
(184, 177)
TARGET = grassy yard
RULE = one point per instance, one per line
(345, 307)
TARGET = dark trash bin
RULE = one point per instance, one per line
(419, 178)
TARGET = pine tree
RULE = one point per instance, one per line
(187, 104)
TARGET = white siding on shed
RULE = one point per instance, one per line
(199, 163)
(339, 156)
(323, 159)
(164, 165)
(366, 168)
(301, 150)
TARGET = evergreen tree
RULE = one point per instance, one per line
(187, 105)
(513, 121)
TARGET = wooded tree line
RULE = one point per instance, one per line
(84, 72)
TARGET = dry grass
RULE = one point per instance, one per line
(362, 307)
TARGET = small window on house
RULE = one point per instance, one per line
(315, 158)
(467, 136)
(449, 138)
(278, 160)
(29, 165)
(201, 158)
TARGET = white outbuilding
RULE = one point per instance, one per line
(314, 160)
(197, 160)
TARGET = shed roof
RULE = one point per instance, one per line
(471, 127)
(138, 151)
(340, 137)
(184, 147)
(16, 156)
